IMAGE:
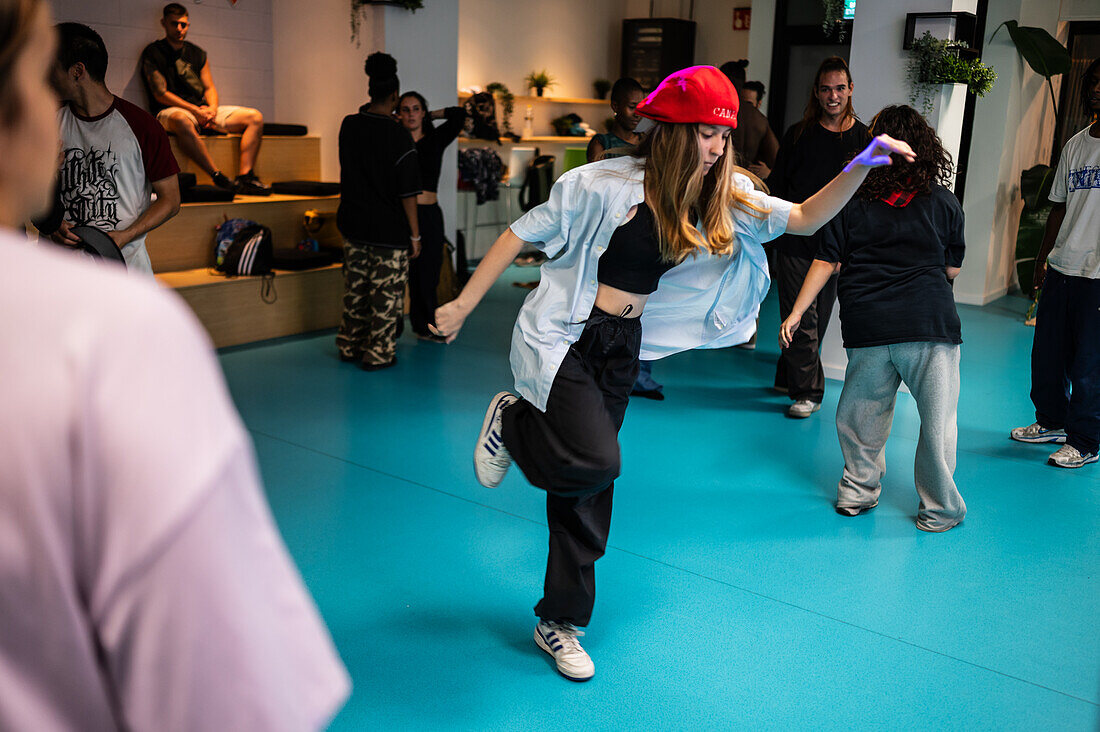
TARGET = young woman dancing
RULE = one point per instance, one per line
(674, 212)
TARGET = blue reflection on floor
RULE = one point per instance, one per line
(731, 596)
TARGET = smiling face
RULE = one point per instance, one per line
(410, 113)
(833, 92)
(626, 110)
(712, 144)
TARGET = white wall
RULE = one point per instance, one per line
(319, 70)
(1013, 130)
(425, 44)
(576, 41)
(761, 33)
(237, 40)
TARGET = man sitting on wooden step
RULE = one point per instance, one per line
(184, 99)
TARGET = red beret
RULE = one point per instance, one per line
(697, 94)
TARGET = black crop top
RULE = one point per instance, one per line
(632, 262)
(430, 147)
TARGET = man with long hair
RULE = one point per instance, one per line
(810, 154)
(898, 244)
(1065, 356)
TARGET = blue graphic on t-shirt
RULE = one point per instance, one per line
(1082, 178)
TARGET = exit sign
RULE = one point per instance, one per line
(741, 18)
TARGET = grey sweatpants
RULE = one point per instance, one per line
(866, 412)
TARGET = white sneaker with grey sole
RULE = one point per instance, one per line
(1035, 432)
(803, 408)
(1067, 456)
(491, 458)
(560, 641)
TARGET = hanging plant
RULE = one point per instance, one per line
(934, 61)
(358, 5)
(507, 104)
(833, 24)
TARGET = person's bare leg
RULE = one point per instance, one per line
(250, 123)
(187, 134)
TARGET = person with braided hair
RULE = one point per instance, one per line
(379, 183)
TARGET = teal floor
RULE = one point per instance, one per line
(731, 595)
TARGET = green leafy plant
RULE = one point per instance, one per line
(358, 5)
(833, 23)
(1042, 51)
(934, 61)
(507, 104)
(539, 80)
(601, 87)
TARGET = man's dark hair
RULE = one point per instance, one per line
(174, 10)
(735, 72)
(756, 86)
(77, 43)
(623, 89)
(382, 70)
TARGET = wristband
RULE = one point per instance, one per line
(414, 238)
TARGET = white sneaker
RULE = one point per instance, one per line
(1035, 432)
(803, 408)
(560, 641)
(491, 458)
(1068, 456)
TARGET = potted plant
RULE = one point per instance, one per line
(507, 104)
(539, 81)
(601, 87)
(934, 61)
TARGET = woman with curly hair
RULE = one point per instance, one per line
(650, 254)
(898, 245)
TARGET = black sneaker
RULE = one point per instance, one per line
(250, 185)
(222, 181)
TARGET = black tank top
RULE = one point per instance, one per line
(632, 262)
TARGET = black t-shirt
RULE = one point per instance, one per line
(430, 147)
(181, 70)
(805, 163)
(378, 167)
(892, 286)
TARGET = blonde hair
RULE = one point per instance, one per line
(678, 193)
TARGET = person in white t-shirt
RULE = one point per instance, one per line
(1065, 356)
(143, 584)
(114, 155)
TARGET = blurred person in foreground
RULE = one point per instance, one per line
(143, 585)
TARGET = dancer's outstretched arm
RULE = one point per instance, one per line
(450, 317)
(819, 274)
(818, 209)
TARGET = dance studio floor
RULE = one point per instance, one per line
(731, 596)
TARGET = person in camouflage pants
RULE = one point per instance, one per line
(374, 294)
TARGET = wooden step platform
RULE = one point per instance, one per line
(186, 241)
(233, 310)
(281, 157)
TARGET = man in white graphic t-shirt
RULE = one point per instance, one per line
(114, 154)
(1065, 356)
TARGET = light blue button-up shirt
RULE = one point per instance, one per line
(708, 301)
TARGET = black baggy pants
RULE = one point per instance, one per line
(424, 270)
(799, 368)
(572, 452)
(1065, 359)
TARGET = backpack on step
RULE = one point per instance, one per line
(243, 247)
